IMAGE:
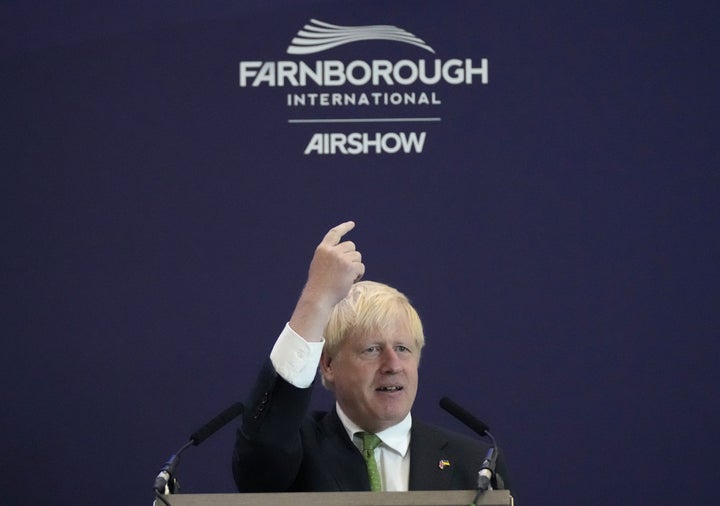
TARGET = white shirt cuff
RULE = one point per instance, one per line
(295, 359)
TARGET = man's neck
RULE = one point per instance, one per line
(396, 436)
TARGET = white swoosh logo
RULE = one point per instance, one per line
(317, 36)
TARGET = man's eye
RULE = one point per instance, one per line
(402, 348)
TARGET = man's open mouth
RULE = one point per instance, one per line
(389, 389)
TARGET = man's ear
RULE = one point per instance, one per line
(326, 366)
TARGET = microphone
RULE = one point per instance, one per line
(487, 467)
(217, 423)
(197, 437)
(464, 416)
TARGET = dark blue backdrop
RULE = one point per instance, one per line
(558, 233)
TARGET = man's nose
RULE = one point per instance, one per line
(391, 361)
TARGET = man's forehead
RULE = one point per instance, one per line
(398, 328)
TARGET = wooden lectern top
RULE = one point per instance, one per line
(414, 498)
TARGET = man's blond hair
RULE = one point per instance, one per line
(370, 306)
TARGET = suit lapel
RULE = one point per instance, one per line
(430, 467)
(345, 463)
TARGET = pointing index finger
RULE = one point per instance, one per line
(336, 233)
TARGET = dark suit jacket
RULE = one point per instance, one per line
(282, 448)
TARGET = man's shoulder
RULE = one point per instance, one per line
(430, 432)
(322, 422)
(318, 416)
(471, 449)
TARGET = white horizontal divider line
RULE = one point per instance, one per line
(365, 120)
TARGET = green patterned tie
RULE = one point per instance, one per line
(370, 442)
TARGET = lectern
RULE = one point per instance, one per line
(415, 498)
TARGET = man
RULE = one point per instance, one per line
(366, 339)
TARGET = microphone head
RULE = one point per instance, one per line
(464, 416)
(216, 423)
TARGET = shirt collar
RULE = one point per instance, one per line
(397, 437)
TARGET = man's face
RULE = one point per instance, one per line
(375, 375)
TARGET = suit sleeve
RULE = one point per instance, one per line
(268, 448)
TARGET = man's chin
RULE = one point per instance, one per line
(390, 417)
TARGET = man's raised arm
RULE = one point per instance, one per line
(336, 265)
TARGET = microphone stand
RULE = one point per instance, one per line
(487, 468)
(165, 481)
